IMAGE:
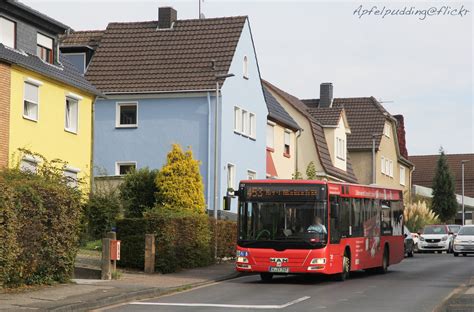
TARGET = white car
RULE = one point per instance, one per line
(464, 241)
(435, 238)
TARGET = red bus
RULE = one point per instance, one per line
(309, 226)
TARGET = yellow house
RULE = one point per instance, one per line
(46, 105)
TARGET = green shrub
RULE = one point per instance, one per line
(40, 221)
(101, 212)
(182, 240)
(137, 192)
(179, 183)
(226, 238)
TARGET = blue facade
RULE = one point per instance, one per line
(188, 119)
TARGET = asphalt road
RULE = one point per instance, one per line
(416, 284)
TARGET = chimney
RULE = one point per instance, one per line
(401, 135)
(325, 94)
(166, 17)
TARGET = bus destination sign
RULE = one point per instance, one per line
(283, 192)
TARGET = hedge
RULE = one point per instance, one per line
(182, 240)
(39, 227)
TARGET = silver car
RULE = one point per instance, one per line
(464, 241)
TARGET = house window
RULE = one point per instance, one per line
(29, 164)
(71, 175)
(270, 136)
(126, 115)
(391, 169)
(387, 129)
(7, 32)
(44, 48)
(402, 175)
(246, 68)
(124, 167)
(251, 175)
(252, 126)
(382, 165)
(231, 176)
(237, 120)
(76, 59)
(340, 148)
(71, 113)
(30, 102)
(286, 147)
(245, 122)
(387, 166)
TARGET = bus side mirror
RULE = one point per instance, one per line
(227, 202)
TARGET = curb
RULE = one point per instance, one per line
(136, 295)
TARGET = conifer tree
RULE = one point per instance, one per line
(179, 183)
(444, 201)
(311, 171)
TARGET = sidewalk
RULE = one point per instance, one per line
(460, 300)
(84, 295)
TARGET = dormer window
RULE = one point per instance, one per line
(246, 68)
(44, 48)
(387, 129)
(7, 32)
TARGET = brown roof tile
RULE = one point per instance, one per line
(319, 137)
(366, 116)
(425, 168)
(328, 116)
(138, 57)
(89, 38)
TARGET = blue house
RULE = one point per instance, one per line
(159, 79)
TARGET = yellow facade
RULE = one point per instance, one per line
(47, 136)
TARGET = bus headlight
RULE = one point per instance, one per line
(318, 261)
(242, 260)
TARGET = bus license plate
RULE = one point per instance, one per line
(279, 269)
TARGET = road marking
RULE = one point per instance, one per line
(217, 305)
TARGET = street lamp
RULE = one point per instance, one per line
(462, 188)
(216, 149)
(374, 136)
(216, 139)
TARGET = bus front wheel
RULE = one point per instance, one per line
(346, 267)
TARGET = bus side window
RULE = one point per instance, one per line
(344, 216)
(356, 218)
(397, 217)
(386, 218)
(334, 208)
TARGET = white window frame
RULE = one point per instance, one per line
(126, 163)
(340, 148)
(246, 67)
(382, 167)
(29, 163)
(402, 175)
(66, 128)
(231, 170)
(117, 114)
(387, 129)
(36, 84)
(5, 34)
(72, 173)
(271, 135)
(237, 119)
(251, 174)
(245, 122)
(252, 125)
(287, 134)
(391, 169)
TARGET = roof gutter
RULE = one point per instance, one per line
(159, 92)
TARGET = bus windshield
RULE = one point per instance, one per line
(283, 225)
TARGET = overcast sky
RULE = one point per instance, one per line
(422, 69)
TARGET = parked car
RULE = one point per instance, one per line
(435, 238)
(454, 228)
(464, 241)
(409, 244)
